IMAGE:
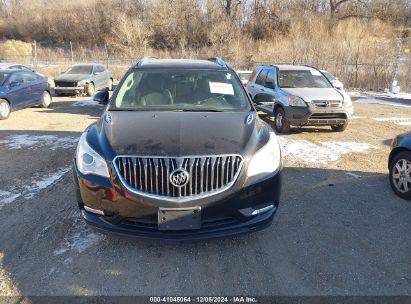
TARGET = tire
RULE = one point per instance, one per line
(91, 89)
(340, 128)
(45, 100)
(5, 109)
(281, 123)
(400, 174)
(110, 85)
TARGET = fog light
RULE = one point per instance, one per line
(252, 212)
(95, 211)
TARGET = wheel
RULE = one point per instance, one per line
(4, 109)
(110, 84)
(90, 89)
(340, 128)
(400, 174)
(45, 100)
(281, 123)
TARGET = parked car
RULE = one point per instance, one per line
(399, 165)
(22, 89)
(334, 80)
(244, 76)
(179, 153)
(84, 79)
(18, 66)
(299, 96)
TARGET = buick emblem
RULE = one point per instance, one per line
(179, 178)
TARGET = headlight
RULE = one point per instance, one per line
(296, 101)
(347, 101)
(82, 83)
(89, 161)
(265, 162)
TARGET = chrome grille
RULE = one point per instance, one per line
(150, 176)
(327, 103)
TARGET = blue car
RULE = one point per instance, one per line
(22, 89)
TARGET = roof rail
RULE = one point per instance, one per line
(217, 60)
(144, 60)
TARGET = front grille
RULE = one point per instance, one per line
(328, 116)
(150, 176)
(67, 84)
(152, 224)
(327, 103)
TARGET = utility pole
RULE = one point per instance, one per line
(71, 53)
(35, 53)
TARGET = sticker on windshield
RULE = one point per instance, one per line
(228, 76)
(221, 88)
(315, 73)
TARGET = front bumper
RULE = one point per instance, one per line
(312, 116)
(67, 90)
(130, 215)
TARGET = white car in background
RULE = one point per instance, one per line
(244, 76)
(334, 80)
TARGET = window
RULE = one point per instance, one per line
(302, 79)
(99, 69)
(181, 90)
(271, 77)
(29, 77)
(253, 75)
(261, 77)
(16, 77)
(80, 69)
(3, 77)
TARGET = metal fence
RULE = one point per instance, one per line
(364, 76)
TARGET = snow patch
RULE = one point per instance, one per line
(86, 103)
(402, 121)
(30, 141)
(323, 152)
(381, 101)
(43, 182)
(79, 241)
(7, 197)
(29, 191)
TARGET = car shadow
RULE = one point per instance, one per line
(332, 226)
(82, 106)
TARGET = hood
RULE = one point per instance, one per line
(310, 94)
(72, 77)
(178, 133)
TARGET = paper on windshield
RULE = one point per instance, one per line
(221, 88)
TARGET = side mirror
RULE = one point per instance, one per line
(14, 84)
(269, 85)
(259, 98)
(101, 97)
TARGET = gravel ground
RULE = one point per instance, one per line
(339, 230)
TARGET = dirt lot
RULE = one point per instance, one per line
(339, 230)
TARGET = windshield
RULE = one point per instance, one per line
(181, 90)
(329, 76)
(302, 79)
(244, 76)
(3, 77)
(80, 69)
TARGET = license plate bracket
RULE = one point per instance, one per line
(179, 219)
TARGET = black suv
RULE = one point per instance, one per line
(179, 153)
